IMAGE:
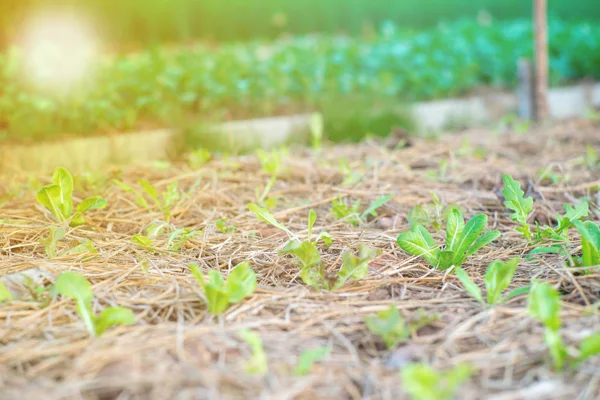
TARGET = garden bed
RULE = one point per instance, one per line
(176, 349)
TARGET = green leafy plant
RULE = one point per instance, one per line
(5, 294)
(272, 165)
(341, 210)
(312, 272)
(545, 305)
(220, 293)
(223, 226)
(564, 222)
(55, 234)
(354, 267)
(351, 176)
(57, 198)
(165, 201)
(389, 325)
(309, 357)
(422, 382)
(497, 278)
(257, 365)
(462, 241)
(515, 201)
(590, 242)
(76, 287)
(433, 215)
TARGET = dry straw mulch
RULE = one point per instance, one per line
(176, 350)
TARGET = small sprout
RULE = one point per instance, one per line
(179, 237)
(142, 240)
(354, 267)
(461, 241)
(50, 242)
(422, 382)
(5, 294)
(590, 242)
(316, 131)
(272, 165)
(389, 325)
(257, 365)
(198, 158)
(223, 226)
(515, 201)
(165, 202)
(76, 287)
(57, 198)
(591, 157)
(544, 305)
(431, 215)
(566, 222)
(497, 278)
(351, 214)
(219, 293)
(309, 357)
(351, 177)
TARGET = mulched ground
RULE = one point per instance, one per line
(176, 350)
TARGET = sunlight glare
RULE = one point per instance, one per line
(58, 50)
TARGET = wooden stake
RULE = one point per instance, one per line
(540, 11)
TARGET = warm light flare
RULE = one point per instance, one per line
(58, 50)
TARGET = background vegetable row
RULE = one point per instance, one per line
(159, 87)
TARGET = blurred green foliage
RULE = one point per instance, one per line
(140, 22)
(327, 73)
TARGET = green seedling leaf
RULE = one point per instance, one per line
(241, 282)
(316, 131)
(497, 278)
(5, 294)
(49, 196)
(590, 242)
(515, 292)
(179, 237)
(341, 211)
(482, 241)
(515, 201)
(50, 242)
(422, 382)
(419, 243)
(64, 180)
(469, 285)
(557, 348)
(544, 305)
(372, 209)
(223, 226)
(306, 252)
(84, 247)
(91, 203)
(354, 267)
(258, 364)
(580, 211)
(454, 229)
(590, 346)
(142, 240)
(468, 236)
(265, 216)
(389, 325)
(309, 357)
(74, 286)
(113, 316)
(325, 237)
(446, 259)
(312, 218)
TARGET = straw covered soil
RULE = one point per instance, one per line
(177, 350)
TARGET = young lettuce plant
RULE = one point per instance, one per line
(590, 242)
(165, 202)
(76, 287)
(497, 278)
(462, 241)
(431, 215)
(342, 211)
(57, 198)
(545, 305)
(220, 293)
(515, 201)
(564, 222)
(309, 357)
(392, 328)
(271, 164)
(258, 364)
(312, 271)
(422, 382)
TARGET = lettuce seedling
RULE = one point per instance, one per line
(272, 165)
(497, 278)
(76, 287)
(223, 226)
(56, 233)
(431, 215)
(57, 198)
(590, 242)
(257, 365)
(422, 382)
(462, 241)
(312, 271)
(564, 222)
(351, 177)
(164, 202)
(309, 357)
(389, 325)
(515, 201)
(5, 294)
(342, 211)
(354, 267)
(220, 293)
